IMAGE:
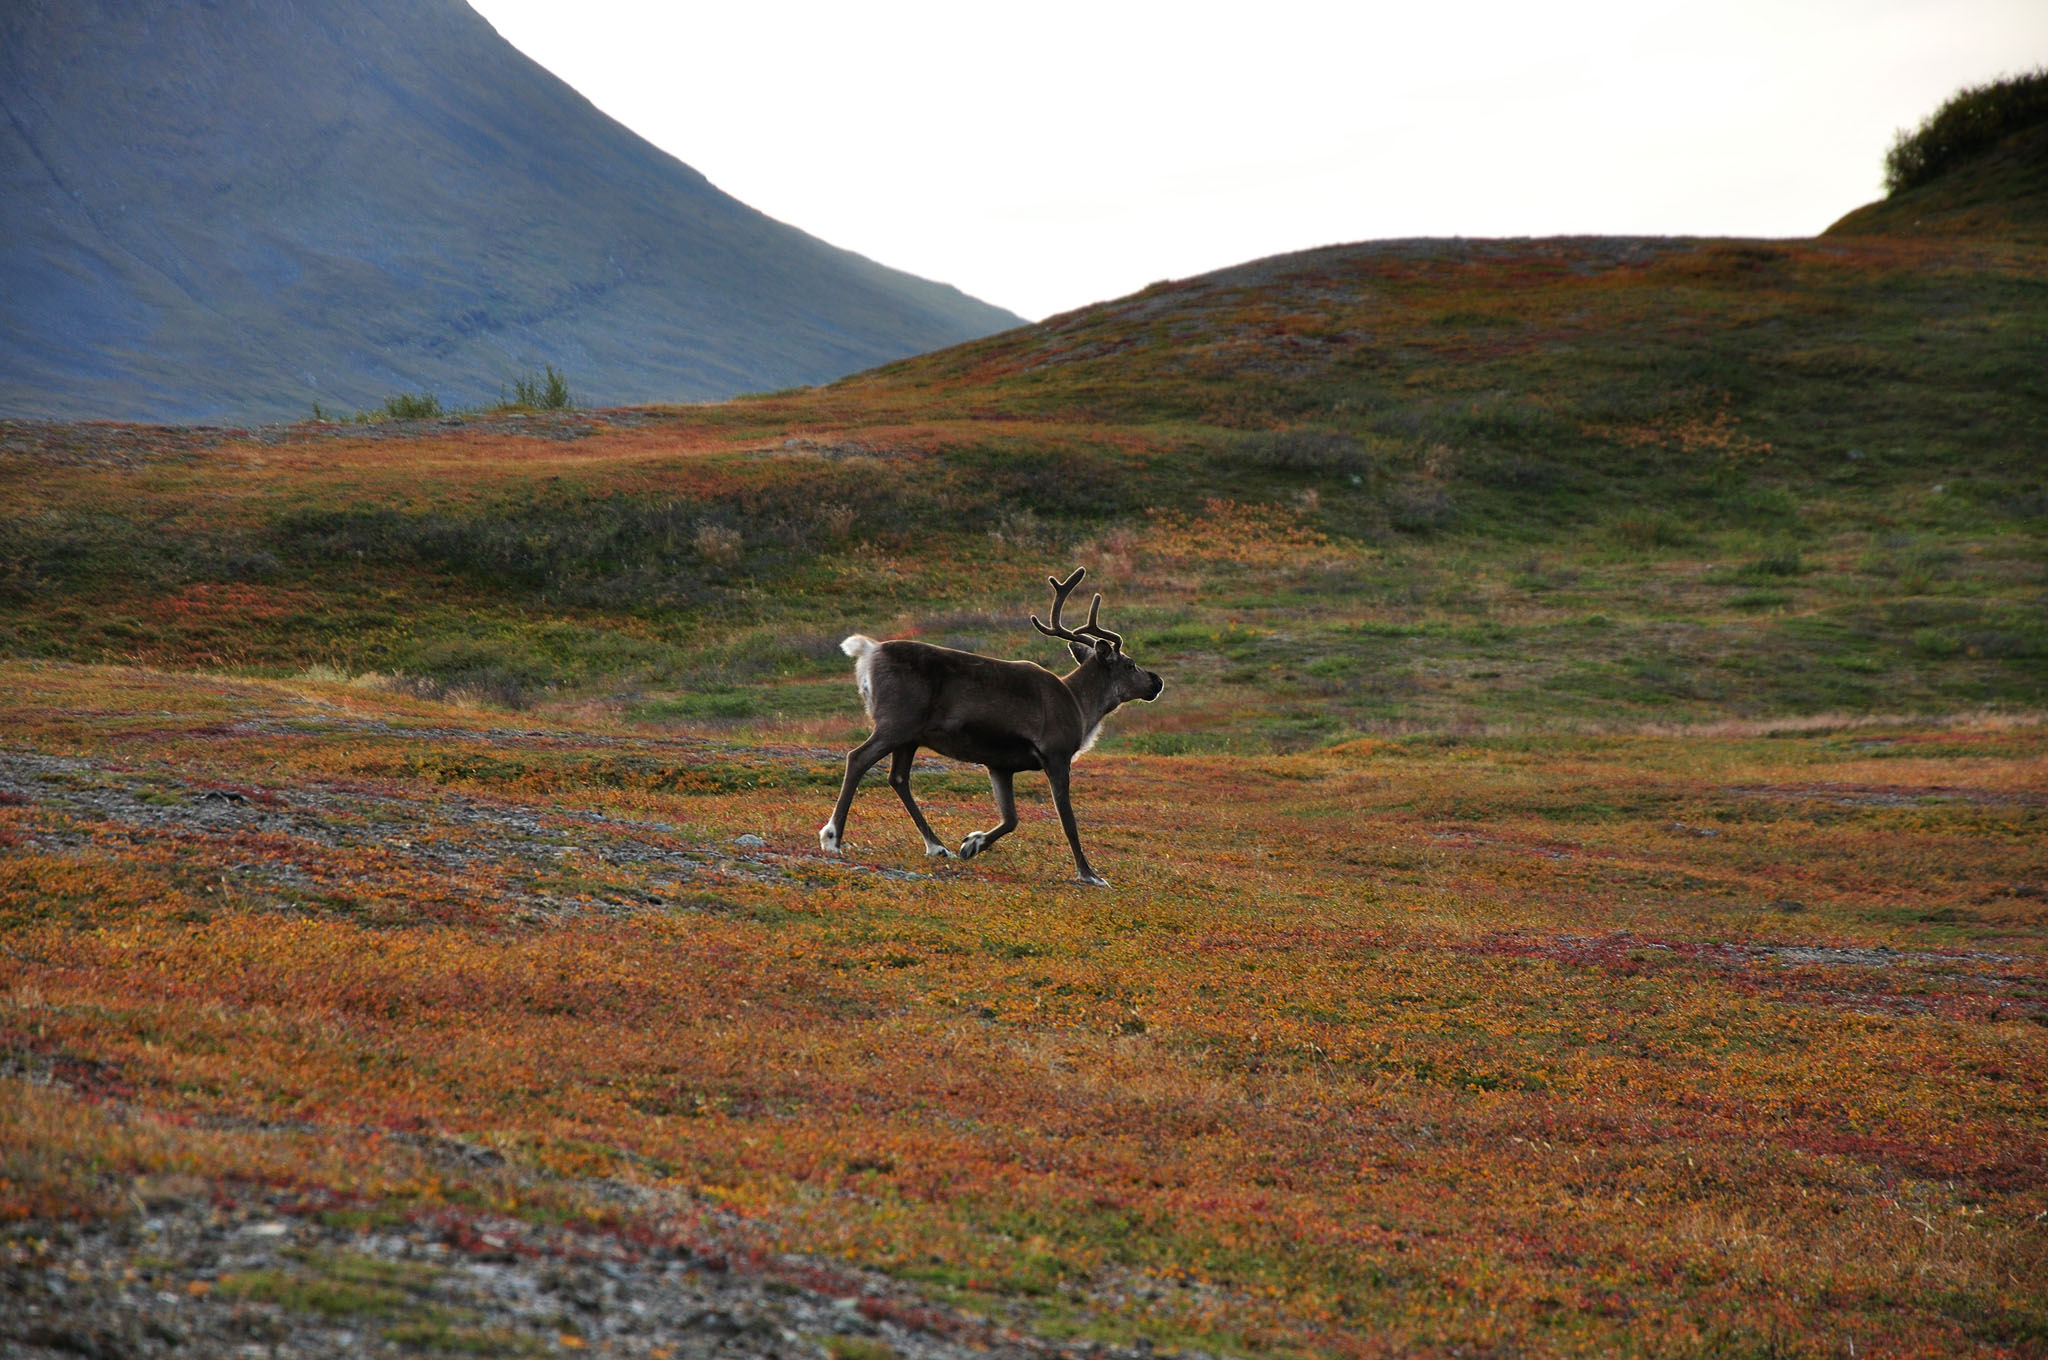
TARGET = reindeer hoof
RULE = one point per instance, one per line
(971, 847)
(937, 851)
(828, 839)
(1093, 880)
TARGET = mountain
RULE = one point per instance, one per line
(234, 209)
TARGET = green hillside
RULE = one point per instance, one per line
(1999, 194)
(1436, 483)
(1976, 166)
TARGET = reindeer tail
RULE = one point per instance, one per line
(861, 648)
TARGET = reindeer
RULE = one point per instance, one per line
(1007, 715)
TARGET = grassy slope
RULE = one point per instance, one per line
(1445, 999)
(1442, 484)
(2000, 195)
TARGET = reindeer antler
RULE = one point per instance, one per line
(1087, 632)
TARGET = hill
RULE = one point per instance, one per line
(1378, 484)
(1998, 194)
(234, 210)
(1976, 166)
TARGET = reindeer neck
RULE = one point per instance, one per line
(1089, 684)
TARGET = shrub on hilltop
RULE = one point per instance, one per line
(412, 406)
(1972, 121)
(549, 393)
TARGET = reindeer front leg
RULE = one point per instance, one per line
(1056, 773)
(1002, 781)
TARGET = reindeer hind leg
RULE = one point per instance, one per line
(832, 835)
(899, 779)
(1002, 782)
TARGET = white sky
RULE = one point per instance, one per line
(1047, 155)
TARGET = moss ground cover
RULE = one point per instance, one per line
(1571, 1044)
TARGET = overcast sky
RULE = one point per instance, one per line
(1045, 156)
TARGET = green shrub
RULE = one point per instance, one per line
(1418, 505)
(1784, 562)
(496, 673)
(411, 406)
(1648, 530)
(549, 392)
(1300, 450)
(1518, 472)
(2009, 634)
(1937, 642)
(1972, 121)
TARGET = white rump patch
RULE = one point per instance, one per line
(861, 648)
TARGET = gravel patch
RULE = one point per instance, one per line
(205, 1269)
(89, 806)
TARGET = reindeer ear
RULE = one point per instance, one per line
(1080, 652)
(1104, 648)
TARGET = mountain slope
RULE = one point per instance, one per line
(238, 209)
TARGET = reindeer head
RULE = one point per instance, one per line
(1093, 645)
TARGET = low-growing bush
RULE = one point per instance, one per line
(1643, 531)
(2008, 634)
(1025, 530)
(541, 392)
(622, 551)
(1323, 452)
(1971, 122)
(243, 564)
(411, 406)
(1742, 502)
(78, 549)
(1506, 418)
(1937, 642)
(1784, 562)
(1419, 505)
(1520, 472)
(1494, 420)
(478, 687)
(1062, 483)
(718, 545)
(837, 518)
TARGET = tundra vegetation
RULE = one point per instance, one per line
(1585, 893)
